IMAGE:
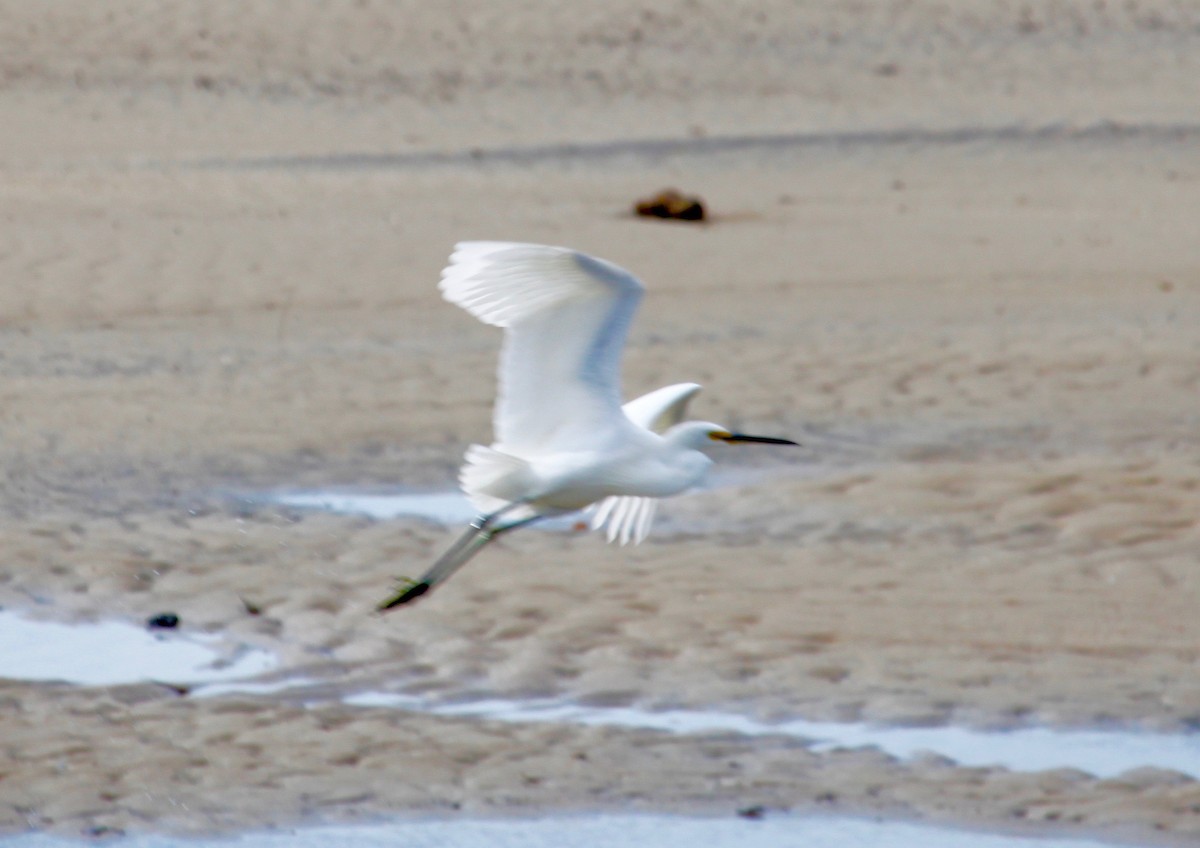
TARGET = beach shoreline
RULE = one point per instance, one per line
(951, 251)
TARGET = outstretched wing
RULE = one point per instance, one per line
(663, 408)
(566, 316)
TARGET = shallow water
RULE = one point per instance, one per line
(115, 652)
(452, 508)
(440, 507)
(107, 653)
(1103, 753)
(598, 831)
(112, 652)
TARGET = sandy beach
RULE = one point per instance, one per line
(952, 251)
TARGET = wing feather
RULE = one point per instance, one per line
(663, 408)
(566, 317)
(625, 518)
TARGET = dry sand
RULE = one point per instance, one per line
(954, 251)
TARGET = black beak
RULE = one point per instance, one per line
(761, 440)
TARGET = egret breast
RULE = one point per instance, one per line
(575, 485)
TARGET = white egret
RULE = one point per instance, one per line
(563, 442)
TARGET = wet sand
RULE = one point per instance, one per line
(975, 297)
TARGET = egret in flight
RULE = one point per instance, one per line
(563, 441)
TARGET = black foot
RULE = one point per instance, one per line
(411, 593)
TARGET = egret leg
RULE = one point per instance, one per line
(481, 531)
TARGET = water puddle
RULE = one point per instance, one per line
(258, 687)
(451, 508)
(597, 831)
(112, 652)
(108, 653)
(1102, 753)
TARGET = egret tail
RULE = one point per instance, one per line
(481, 531)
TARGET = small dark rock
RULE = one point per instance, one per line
(757, 811)
(179, 689)
(672, 204)
(163, 621)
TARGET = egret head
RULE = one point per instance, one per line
(697, 434)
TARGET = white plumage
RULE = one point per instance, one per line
(566, 316)
(563, 441)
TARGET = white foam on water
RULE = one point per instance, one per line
(112, 652)
(596, 831)
(1103, 753)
